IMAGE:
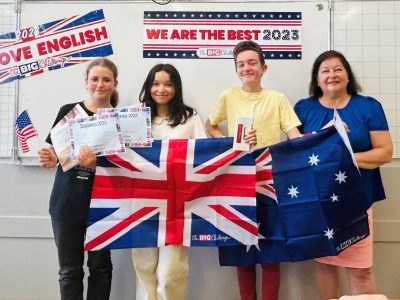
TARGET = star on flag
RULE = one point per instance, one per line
(293, 191)
(341, 177)
(260, 237)
(313, 160)
(334, 198)
(329, 233)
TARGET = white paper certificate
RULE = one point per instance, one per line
(61, 138)
(242, 127)
(102, 133)
(135, 124)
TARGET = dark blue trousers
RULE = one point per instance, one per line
(69, 237)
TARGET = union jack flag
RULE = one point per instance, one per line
(24, 130)
(187, 192)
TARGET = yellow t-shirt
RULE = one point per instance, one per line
(271, 112)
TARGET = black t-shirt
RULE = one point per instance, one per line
(72, 190)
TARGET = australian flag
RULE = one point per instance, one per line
(315, 209)
(187, 192)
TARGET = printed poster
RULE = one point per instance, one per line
(214, 34)
(54, 45)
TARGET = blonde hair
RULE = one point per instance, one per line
(106, 63)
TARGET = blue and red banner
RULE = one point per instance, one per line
(202, 193)
(57, 44)
(213, 34)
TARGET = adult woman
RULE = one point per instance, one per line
(333, 85)
(70, 197)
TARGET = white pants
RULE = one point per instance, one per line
(161, 273)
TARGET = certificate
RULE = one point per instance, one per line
(102, 133)
(242, 127)
(135, 124)
(61, 138)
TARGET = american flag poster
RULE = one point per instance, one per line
(317, 210)
(214, 34)
(202, 193)
(186, 192)
(50, 46)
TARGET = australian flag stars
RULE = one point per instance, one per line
(317, 211)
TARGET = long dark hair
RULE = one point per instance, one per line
(106, 63)
(178, 111)
(353, 87)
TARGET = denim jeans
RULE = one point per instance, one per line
(69, 237)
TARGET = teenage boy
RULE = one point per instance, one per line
(271, 113)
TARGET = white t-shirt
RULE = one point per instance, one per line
(191, 129)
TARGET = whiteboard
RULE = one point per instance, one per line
(8, 19)
(203, 79)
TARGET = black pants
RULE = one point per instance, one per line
(69, 238)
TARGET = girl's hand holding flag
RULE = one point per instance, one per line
(47, 157)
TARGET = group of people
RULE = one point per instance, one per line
(162, 273)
